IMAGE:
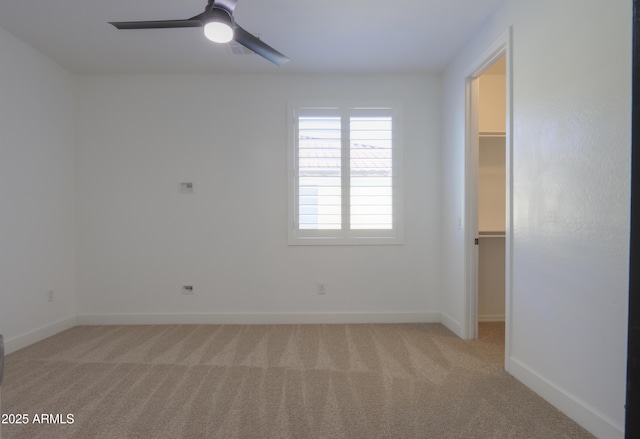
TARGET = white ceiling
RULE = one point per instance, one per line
(327, 36)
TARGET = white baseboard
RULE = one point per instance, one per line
(490, 318)
(22, 341)
(588, 417)
(451, 325)
(254, 319)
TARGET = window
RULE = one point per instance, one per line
(344, 184)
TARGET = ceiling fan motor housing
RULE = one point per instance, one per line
(220, 15)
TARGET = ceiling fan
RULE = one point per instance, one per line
(219, 26)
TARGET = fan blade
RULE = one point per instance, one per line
(162, 24)
(228, 5)
(199, 17)
(249, 41)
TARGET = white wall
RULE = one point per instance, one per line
(572, 100)
(139, 240)
(37, 195)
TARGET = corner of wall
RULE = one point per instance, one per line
(451, 325)
(584, 414)
(16, 343)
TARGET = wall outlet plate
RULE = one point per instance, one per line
(186, 188)
(1, 358)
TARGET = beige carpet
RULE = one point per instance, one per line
(288, 381)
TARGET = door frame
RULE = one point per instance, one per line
(632, 406)
(502, 46)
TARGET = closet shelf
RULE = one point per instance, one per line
(492, 134)
(491, 234)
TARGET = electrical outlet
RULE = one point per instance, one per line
(187, 289)
(50, 296)
(322, 288)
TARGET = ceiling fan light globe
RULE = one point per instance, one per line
(218, 32)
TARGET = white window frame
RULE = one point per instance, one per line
(393, 236)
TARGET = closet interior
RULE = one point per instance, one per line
(492, 193)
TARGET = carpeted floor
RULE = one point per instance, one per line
(280, 381)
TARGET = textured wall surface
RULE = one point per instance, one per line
(571, 150)
(37, 191)
(139, 240)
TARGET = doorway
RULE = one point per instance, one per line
(488, 191)
(492, 107)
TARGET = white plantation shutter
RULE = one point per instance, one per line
(371, 169)
(344, 185)
(319, 170)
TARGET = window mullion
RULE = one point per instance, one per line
(296, 179)
(346, 173)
